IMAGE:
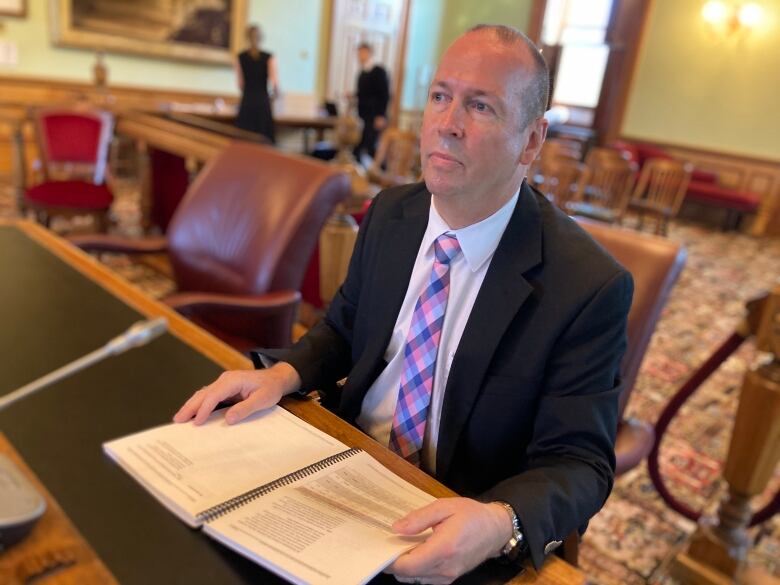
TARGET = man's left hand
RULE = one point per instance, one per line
(465, 533)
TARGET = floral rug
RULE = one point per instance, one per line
(635, 536)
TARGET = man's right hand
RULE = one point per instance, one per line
(252, 390)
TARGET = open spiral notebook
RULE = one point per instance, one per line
(278, 491)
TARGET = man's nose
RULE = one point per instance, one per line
(451, 121)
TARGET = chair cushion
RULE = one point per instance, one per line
(704, 176)
(723, 196)
(76, 194)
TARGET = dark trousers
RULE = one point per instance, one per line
(368, 140)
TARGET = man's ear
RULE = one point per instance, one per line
(537, 132)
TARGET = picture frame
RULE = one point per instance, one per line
(154, 28)
(13, 8)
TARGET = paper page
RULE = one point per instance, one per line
(331, 527)
(191, 468)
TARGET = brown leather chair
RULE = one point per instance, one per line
(655, 263)
(241, 239)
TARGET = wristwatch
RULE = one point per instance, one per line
(517, 547)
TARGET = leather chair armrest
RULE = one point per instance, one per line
(243, 321)
(271, 302)
(110, 243)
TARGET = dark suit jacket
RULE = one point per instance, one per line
(373, 93)
(530, 408)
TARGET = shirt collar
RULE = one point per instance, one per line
(477, 241)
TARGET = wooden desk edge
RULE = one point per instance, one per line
(554, 572)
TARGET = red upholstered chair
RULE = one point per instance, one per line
(241, 239)
(655, 263)
(73, 146)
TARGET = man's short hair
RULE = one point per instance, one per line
(366, 46)
(537, 95)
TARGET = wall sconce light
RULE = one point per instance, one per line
(728, 20)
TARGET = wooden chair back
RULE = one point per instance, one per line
(606, 185)
(559, 180)
(662, 185)
(396, 158)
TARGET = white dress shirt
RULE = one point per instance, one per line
(478, 242)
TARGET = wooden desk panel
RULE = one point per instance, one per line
(59, 431)
(53, 533)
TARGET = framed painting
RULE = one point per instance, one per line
(13, 7)
(209, 31)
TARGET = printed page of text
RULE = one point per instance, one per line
(191, 468)
(331, 527)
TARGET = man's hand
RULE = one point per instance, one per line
(380, 122)
(252, 390)
(465, 533)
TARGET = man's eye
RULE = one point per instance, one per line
(437, 96)
(480, 107)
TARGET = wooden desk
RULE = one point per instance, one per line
(58, 303)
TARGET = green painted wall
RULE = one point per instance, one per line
(422, 51)
(460, 15)
(292, 30)
(694, 88)
(434, 24)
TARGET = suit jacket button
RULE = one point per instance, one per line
(551, 546)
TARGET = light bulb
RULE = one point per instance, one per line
(750, 15)
(714, 12)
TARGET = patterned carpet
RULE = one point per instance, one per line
(634, 537)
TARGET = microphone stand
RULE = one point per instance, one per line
(138, 334)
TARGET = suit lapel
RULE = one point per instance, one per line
(501, 295)
(399, 242)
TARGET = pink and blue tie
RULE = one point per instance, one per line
(422, 346)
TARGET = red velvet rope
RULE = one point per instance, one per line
(670, 411)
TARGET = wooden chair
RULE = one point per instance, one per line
(600, 153)
(240, 241)
(604, 189)
(73, 146)
(660, 191)
(396, 158)
(559, 180)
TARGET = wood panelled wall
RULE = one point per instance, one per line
(17, 95)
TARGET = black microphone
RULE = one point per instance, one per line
(137, 335)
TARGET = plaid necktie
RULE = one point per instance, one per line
(422, 346)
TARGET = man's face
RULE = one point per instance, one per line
(473, 142)
(364, 56)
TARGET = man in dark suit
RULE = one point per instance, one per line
(505, 320)
(373, 94)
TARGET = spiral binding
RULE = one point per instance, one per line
(229, 505)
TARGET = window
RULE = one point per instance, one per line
(580, 29)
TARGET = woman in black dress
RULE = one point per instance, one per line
(255, 68)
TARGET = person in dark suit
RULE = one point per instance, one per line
(373, 94)
(520, 399)
(254, 70)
